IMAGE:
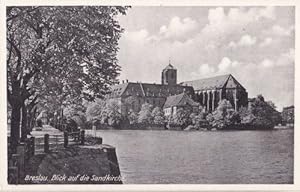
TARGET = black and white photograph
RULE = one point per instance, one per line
(156, 94)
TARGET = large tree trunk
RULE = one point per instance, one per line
(15, 126)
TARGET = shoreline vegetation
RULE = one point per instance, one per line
(259, 115)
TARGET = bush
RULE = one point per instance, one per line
(260, 114)
(158, 116)
(224, 116)
(132, 117)
(181, 118)
(105, 111)
(145, 114)
(199, 119)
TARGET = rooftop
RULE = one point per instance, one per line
(213, 82)
(179, 100)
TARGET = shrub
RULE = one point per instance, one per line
(224, 116)
(145, 115)
(158, 116)
(132, 117)
(260, 114)
(181, 118)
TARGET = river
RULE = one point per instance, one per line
(209, 157)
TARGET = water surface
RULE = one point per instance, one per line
(211, 157)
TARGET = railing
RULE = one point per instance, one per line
(78, 136)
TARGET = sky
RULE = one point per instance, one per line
(254, 44)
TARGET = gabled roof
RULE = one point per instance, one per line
(216, 82)
(179, 100)
(148, 90)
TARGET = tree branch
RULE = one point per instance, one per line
(20, 14)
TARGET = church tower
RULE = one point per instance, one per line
(169, 75)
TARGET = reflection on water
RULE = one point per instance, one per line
(218, 157)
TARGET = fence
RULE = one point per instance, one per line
(18, 161)
(77, 137)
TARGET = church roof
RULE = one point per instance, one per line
(214, 83)
(148, 90)
(179, 100)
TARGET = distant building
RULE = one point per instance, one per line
(181, 101)
(208, 92)
(287, 115)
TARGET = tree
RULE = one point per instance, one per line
(72, 48)
(158, 116)
(181, 117)
(198, 119)
(132, 117)
(272, 104)
(76, 113)
(261, 114)
(145, 115)
(94, 110)
(112, 113)
(224, 116)
(129, 103)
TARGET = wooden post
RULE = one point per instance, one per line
(21, 161)
(46, 143)
(82, 136)
(13, 170)
(98, 140)
(32, 146)
(65, 139)
(12, 177)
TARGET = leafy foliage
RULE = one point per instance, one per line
(104, 111)
(132, 117)
(181, 117)
(224, 116)
(112, 113)
(61, 54)
(94, 110)
(158, 116)
(145, 115)
(260, 114)
(198, 119)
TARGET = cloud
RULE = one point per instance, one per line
(245, 41)
(136, 36)
(268, 12)
(267, 63)
(284, 59)
(280, 31)
(226, 64)
(203, 70)
(287, 58)
(236, 19)
(267, 41)
(179, 28)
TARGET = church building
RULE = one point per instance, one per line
(207, 92)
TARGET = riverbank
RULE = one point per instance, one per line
(91, 163)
